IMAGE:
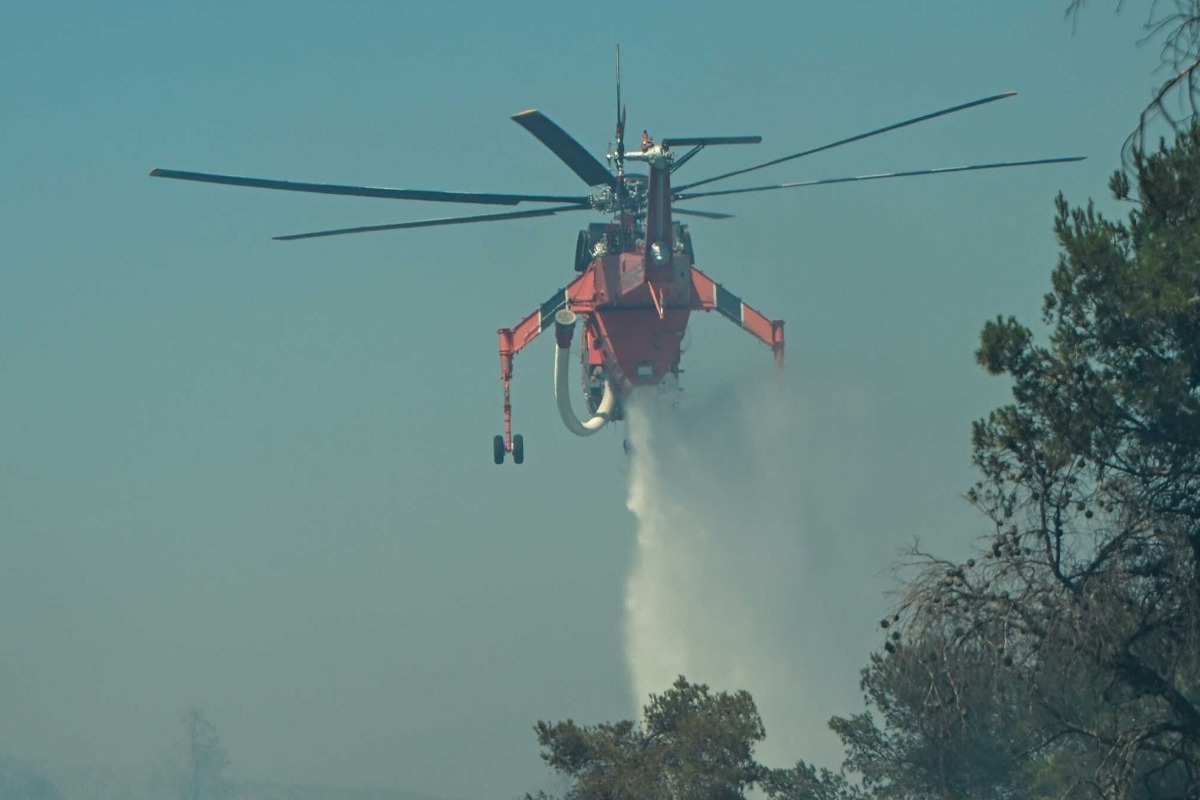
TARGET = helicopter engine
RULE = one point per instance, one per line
(598, 239)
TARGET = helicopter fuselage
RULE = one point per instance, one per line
(637, 287)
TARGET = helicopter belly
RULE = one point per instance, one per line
(635, 346)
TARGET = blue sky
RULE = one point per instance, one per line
(256, 476)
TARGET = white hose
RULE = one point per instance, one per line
(562, 393)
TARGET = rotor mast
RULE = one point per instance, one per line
(619, 153)
(658, 198)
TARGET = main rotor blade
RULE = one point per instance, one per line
(692, 141)
(367, 191)
(857, 138)
(569, 151)
(687, 212)
(429, 223)
(882, 175)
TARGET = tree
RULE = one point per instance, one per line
(1088, 594)
(1175, 25)
(949, 728)
(194, 770)
(693, 745)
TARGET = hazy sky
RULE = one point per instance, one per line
(256, 476)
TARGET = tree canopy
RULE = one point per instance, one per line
(692, 743)
(1065, 656)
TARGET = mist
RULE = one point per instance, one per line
(742, 577)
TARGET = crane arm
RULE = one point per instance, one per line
(708, 295)
(579, 295)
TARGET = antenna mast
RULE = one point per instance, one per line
(620, 154)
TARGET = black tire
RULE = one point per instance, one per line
(518, 449)
(498, 449)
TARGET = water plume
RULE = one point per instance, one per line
(721, 589)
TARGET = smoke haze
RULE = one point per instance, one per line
(727, 587)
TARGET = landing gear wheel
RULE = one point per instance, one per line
(498, 449)
(518, 449)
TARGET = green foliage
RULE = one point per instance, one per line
(805, 782)
(693, 743)
(948, 728)
(1111, 405)
(1077, 629)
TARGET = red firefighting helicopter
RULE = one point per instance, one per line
(637, 282)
